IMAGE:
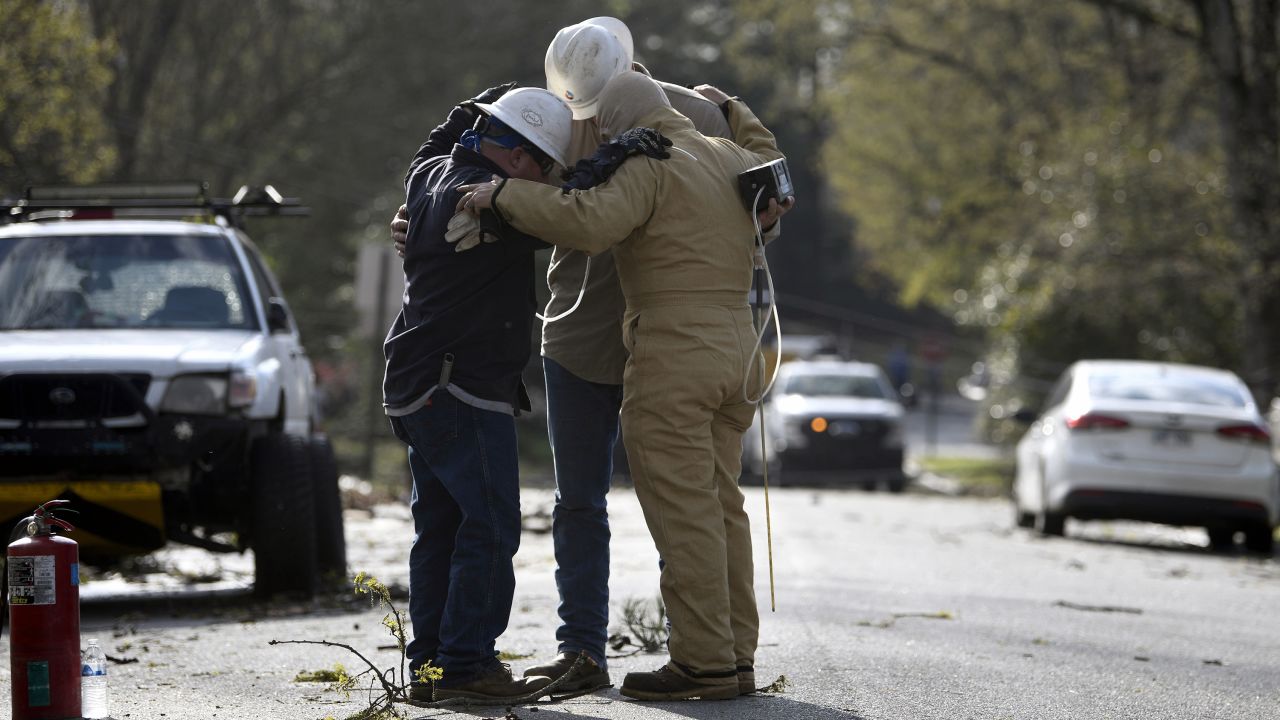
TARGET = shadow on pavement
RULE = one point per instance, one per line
(201, 606)
(613, 706)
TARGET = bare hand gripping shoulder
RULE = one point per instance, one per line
(609, 156)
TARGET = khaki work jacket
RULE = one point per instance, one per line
(588, 342)
(683, 234)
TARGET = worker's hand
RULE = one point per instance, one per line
(464, 232)
(478, 196)
(488, 96)
(769, 216)
(400, 229)
(712, 93)
(609, 156)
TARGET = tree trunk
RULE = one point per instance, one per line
(141, 32)
(1246, 67)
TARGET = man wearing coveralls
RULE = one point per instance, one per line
(683, 244)
(583, 358)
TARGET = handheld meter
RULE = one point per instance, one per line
(773, 177)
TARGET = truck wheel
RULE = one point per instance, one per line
(897, 483)
(1221, 539)
(1260, 538)
(283, 532)
(331, 544)
(1051, 524)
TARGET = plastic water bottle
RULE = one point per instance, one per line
(93, 682)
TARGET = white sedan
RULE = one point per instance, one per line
(830, 421)
(1158, 442)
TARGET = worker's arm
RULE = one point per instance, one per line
(591, 220)
(744, 127)
(447, 134)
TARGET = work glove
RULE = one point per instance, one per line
(609, 156)
(487, 97)
(463, 115)
(464, 232)
(644, 140)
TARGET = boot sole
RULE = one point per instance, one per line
(710, 692)
(478, 698)
(591, 682)
(587, 684)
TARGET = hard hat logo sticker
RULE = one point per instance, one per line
(531, 117)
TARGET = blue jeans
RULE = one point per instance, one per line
(582, 422)
(466, 518)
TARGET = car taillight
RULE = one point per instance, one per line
(1247, 432)
(1096, 421)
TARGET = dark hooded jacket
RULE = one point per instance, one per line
(476, 306)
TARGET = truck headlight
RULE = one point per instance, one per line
(196, 395)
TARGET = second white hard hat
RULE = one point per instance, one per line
(583, 58)
(539, 117)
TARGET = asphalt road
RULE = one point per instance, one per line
(911, 606)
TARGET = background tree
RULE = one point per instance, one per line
(1090, 178)
(1050, 172)
(51, 92)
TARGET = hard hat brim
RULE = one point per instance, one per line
(586, 110)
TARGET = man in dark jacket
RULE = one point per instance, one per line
(454, 358)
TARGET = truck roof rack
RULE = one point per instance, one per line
(174, 200)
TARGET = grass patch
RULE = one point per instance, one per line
(977, 476)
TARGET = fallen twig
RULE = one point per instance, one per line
(1098, 608)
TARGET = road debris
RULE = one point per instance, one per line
(1098, 608)
(885, 624)
(777, 687)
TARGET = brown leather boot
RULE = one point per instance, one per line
(667, 684)
(496, 686)
(586, 676)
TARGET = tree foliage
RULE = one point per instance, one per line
(51, 92)
(1088, 178)
(1055, 172)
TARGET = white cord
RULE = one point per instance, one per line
(586, 273)
(756, 355)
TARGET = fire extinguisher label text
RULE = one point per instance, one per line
(31, 580)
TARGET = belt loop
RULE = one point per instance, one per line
(446, 369)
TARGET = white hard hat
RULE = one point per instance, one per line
(538, 116)
(619, 30)
(583, 58)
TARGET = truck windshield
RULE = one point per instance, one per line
(121, 281)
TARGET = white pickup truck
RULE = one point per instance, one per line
(151, 372)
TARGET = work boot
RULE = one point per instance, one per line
(495, 686)
(585, 677)
(667, 684)
(746, 679)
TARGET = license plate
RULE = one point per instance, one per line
(1171, 437)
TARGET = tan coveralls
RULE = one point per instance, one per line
(682, 240)
(588, 342)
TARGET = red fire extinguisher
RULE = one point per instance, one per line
(43, 575)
